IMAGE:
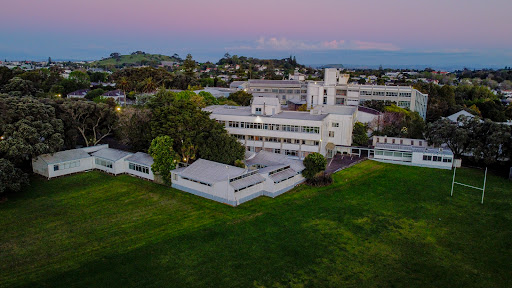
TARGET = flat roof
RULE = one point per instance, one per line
(246, 111)
(268, 159)
(276, 83)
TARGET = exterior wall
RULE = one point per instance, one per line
(127, 169)
(40, 167)
(417, 159)
(85, 164)
(325, 93)
(365, 117)
(398, 140)
(118, 167)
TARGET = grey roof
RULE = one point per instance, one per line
(64, 156)
(246, 111)
(282, 175)
(265, 100)
(113, 93)
(141, 158)
(111, 154)
(455, 117)
(271, 168)
(297, 101)
(334, 109)
(210, 172)
(247, 181)
(81, 92)
(275, 83)
(266, 158)
(409, 148)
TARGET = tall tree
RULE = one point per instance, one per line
(164, 157)
(28, 128)
(189, 65)
(12, 179)
(93, 121)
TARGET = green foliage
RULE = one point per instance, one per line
(12, 179)
(94, 93)
(29, 128)
(121, 61)
(19, 87)
(81, 78)
(314, 163)
(164, 157)
(222, 148)
(399, 122)
(359, 134)
(189, 65)
(208, 98)
(241, 98)
(134, 129)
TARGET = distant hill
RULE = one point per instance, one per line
(134, 59)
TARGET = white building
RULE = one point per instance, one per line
(268, 174)
(99, 157)
(413, 152)
(335, 90)
(284, 90)
(78, 93)
(263, 126)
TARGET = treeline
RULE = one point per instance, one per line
(478, 100)
(31, 126)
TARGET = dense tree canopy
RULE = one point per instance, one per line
(241, 98)
(314, 163)
(164, 157)
(12, 179)
(29, 128)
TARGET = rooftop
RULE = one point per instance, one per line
(210, 172)
(267, 159)
(265, 100)
(141, 158)
(64, 156)
(246, 111)
(111, 154)
(275, 83)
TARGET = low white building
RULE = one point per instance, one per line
(335, 90)
(263, 126)
(98, 157)
(413, 152)
(268, 174)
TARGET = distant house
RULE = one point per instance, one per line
(117, 95)
(454, 117)
(78, 93)
(98, 157)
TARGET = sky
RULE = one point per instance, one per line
(442, 33)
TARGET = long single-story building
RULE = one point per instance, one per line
(268, 174)
(90, 158)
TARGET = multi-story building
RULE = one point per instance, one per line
(335, 90)
(284, 90)
(263, 126)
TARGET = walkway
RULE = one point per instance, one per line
(341, 161)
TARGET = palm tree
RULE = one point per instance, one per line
(148, 85)
(124, 85)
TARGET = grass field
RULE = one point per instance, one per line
(379, 225)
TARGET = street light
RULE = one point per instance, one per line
(118, 108)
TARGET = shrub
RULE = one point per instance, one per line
(314, 163)
(320, 179)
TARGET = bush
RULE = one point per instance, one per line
(314, 163)
(320, 179)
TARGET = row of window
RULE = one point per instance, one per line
(243, 188)
(382, 93)
(393, 154)
(138, 168)
(395, 141)
(437, 158)
(289, 177)
(273, 127)
(278, 170)
(242, 176)
(192, 180)
(66, 165)
(102, 162)
(281, 91)
(277, 140)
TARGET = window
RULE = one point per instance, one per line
(66, 165)
(325, 92)
(103, 163)
(427, 158)
(341, 92)
(325, 100)
(447, 160)
(138, 168)
(277, 151)
(340, 101)
(55, 167)
(290, 152)
(331, 133)
(258, 111)
(391, 93)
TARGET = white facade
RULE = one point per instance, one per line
(284, 90)
(334, 90)
(414, 152)
(263, 126)
(233, 185)
(90, 158)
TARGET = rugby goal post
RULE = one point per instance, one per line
(466, 185)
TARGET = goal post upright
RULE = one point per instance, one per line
(466, 185)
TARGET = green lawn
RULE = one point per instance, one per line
(379, 225)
